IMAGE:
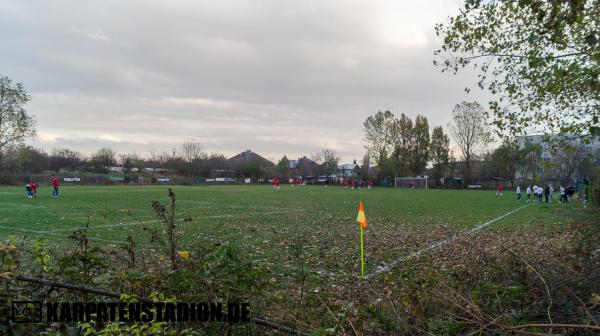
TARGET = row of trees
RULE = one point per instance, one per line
(471, 134)
(528, 160)
(188, 159)
(531, 161)
(323, 163)
(401, 147)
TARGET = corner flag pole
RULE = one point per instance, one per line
(362, 253)
(362, 222)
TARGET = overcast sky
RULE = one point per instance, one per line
(277, 77)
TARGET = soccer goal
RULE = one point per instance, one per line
(411, 182)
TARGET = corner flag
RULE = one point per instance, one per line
(361, 219)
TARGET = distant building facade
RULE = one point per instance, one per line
(564, 162)
(348, 170)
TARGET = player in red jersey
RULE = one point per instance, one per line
(54, 186)
(34, 187)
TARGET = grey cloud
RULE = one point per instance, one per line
(279, 77)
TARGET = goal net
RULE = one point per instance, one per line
(411, 182)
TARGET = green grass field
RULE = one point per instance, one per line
(268, 223)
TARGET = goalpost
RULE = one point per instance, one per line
(411, 182)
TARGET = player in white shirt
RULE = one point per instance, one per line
(563, 195)
(528, 191)
(518, 193)
(540, 194)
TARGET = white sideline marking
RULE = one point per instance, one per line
(104, 226)
(60, 236)
(147, 247)
(313, 270)
(196, 202)
(387, 267)
(155, 220)
(26, 205)
(254, 213)
(28, 230)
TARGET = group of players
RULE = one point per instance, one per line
(539, 194)
(357, 184)
(32, 187)
(351, 183)
(534, 192)
(276, 182)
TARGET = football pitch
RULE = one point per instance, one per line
(268, 224)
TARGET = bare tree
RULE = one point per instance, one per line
(103, 159)
(63, 158)
(191, 152)
(173, 161)
(216, 161)
(129, 161)
(573, 162)
(155, 158)
(470, 131)
(328, 160)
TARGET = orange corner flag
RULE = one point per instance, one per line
(361, 219)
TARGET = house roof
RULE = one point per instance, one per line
(248, 156)
(294, 163)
